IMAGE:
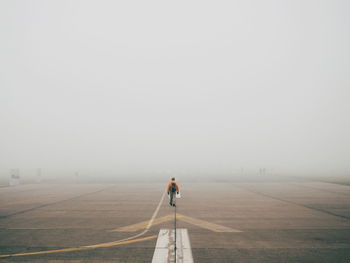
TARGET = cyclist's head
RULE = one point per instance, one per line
(173, 179)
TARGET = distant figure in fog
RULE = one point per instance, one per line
(172, 189)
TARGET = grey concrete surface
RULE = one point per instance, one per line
(294, 221)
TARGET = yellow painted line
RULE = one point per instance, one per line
(64, 250)
(207, 225)
(117, 243)
(142, 225)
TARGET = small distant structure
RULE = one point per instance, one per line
(14, 177)
(38, 176)
(242, 171)
(262, 171)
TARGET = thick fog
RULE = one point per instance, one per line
(152, 87)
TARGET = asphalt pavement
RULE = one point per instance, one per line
(286, 221)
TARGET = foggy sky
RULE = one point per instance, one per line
(142, 86)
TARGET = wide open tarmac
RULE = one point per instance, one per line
(276, 221)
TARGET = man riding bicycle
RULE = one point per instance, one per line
(172, 189)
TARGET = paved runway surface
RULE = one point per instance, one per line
(226, 222)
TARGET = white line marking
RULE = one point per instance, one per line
(164, 251)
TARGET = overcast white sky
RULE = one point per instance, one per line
(141, 86)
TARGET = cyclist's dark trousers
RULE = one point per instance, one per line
(172, 197)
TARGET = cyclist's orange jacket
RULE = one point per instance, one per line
(169, 186)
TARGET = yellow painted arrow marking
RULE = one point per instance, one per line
(204, 224)
(197, 222)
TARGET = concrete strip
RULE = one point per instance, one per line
(164, 251)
